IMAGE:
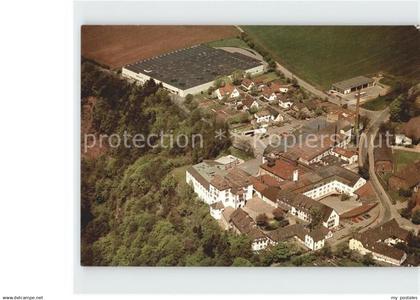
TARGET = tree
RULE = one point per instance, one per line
(237, 76)
(254, 91)
(253, 110)
(210, 90)
(318, 111)
(399, 109)
(326, 251)
(281, 252)
(405, 192)
(241, 262)
(368, 260)
(342, 250)
(262, 220)
(416, 217)
(395, 110)
(316, 217)
(220, 81)
(189, 98)
(364, 172)
(345, 197)
(278, 214)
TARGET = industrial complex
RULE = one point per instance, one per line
(191, 70)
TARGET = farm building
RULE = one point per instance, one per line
(191, 70)
(353, 84)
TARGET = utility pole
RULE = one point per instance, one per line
(356, 129)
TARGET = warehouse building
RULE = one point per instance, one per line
(191, 70)
(351, 85)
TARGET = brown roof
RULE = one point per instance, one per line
(373, 239)
(366, 191)
(344, 152)
(267, 92)
(248, 101)
(364, 208)
(284, 233)
(217, 205)
(319, 233)
(263, 113)
(283, 168)
(226, 90)
(227, 212)
(247, 82)
(245, 224)
(275, 85)
(271, 193)
(304, 203)
(235, 179)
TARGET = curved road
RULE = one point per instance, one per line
(388, 209)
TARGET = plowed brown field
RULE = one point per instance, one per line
(115, 46)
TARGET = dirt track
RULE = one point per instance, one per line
(115, 46)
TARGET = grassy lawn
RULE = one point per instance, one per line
(228, 42)
(238, 153)
(267, 77)
(323, 55)
(179, 174)
(379, 103)
(404, 158)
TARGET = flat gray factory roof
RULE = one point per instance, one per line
(186, 68)
(352, 82)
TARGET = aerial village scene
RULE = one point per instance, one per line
(304, 146)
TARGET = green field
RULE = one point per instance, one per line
(323, 55)
(404, 158)
(379, 103)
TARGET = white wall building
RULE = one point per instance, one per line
(335, 186)
(286, 104)
(227, 91)
(213, 183)
(191, 70)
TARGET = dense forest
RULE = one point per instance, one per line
(134, 210)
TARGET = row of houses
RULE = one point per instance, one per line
(274, 91)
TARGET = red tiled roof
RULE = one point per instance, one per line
(247, 82)
(248, 101)
(344, 152)
(226, 90)
(365, 191)
(267, 92)
(283, 169)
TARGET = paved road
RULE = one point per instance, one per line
(389, 210)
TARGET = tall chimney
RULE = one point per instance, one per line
(295, 175)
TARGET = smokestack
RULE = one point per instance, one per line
(295, 175)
